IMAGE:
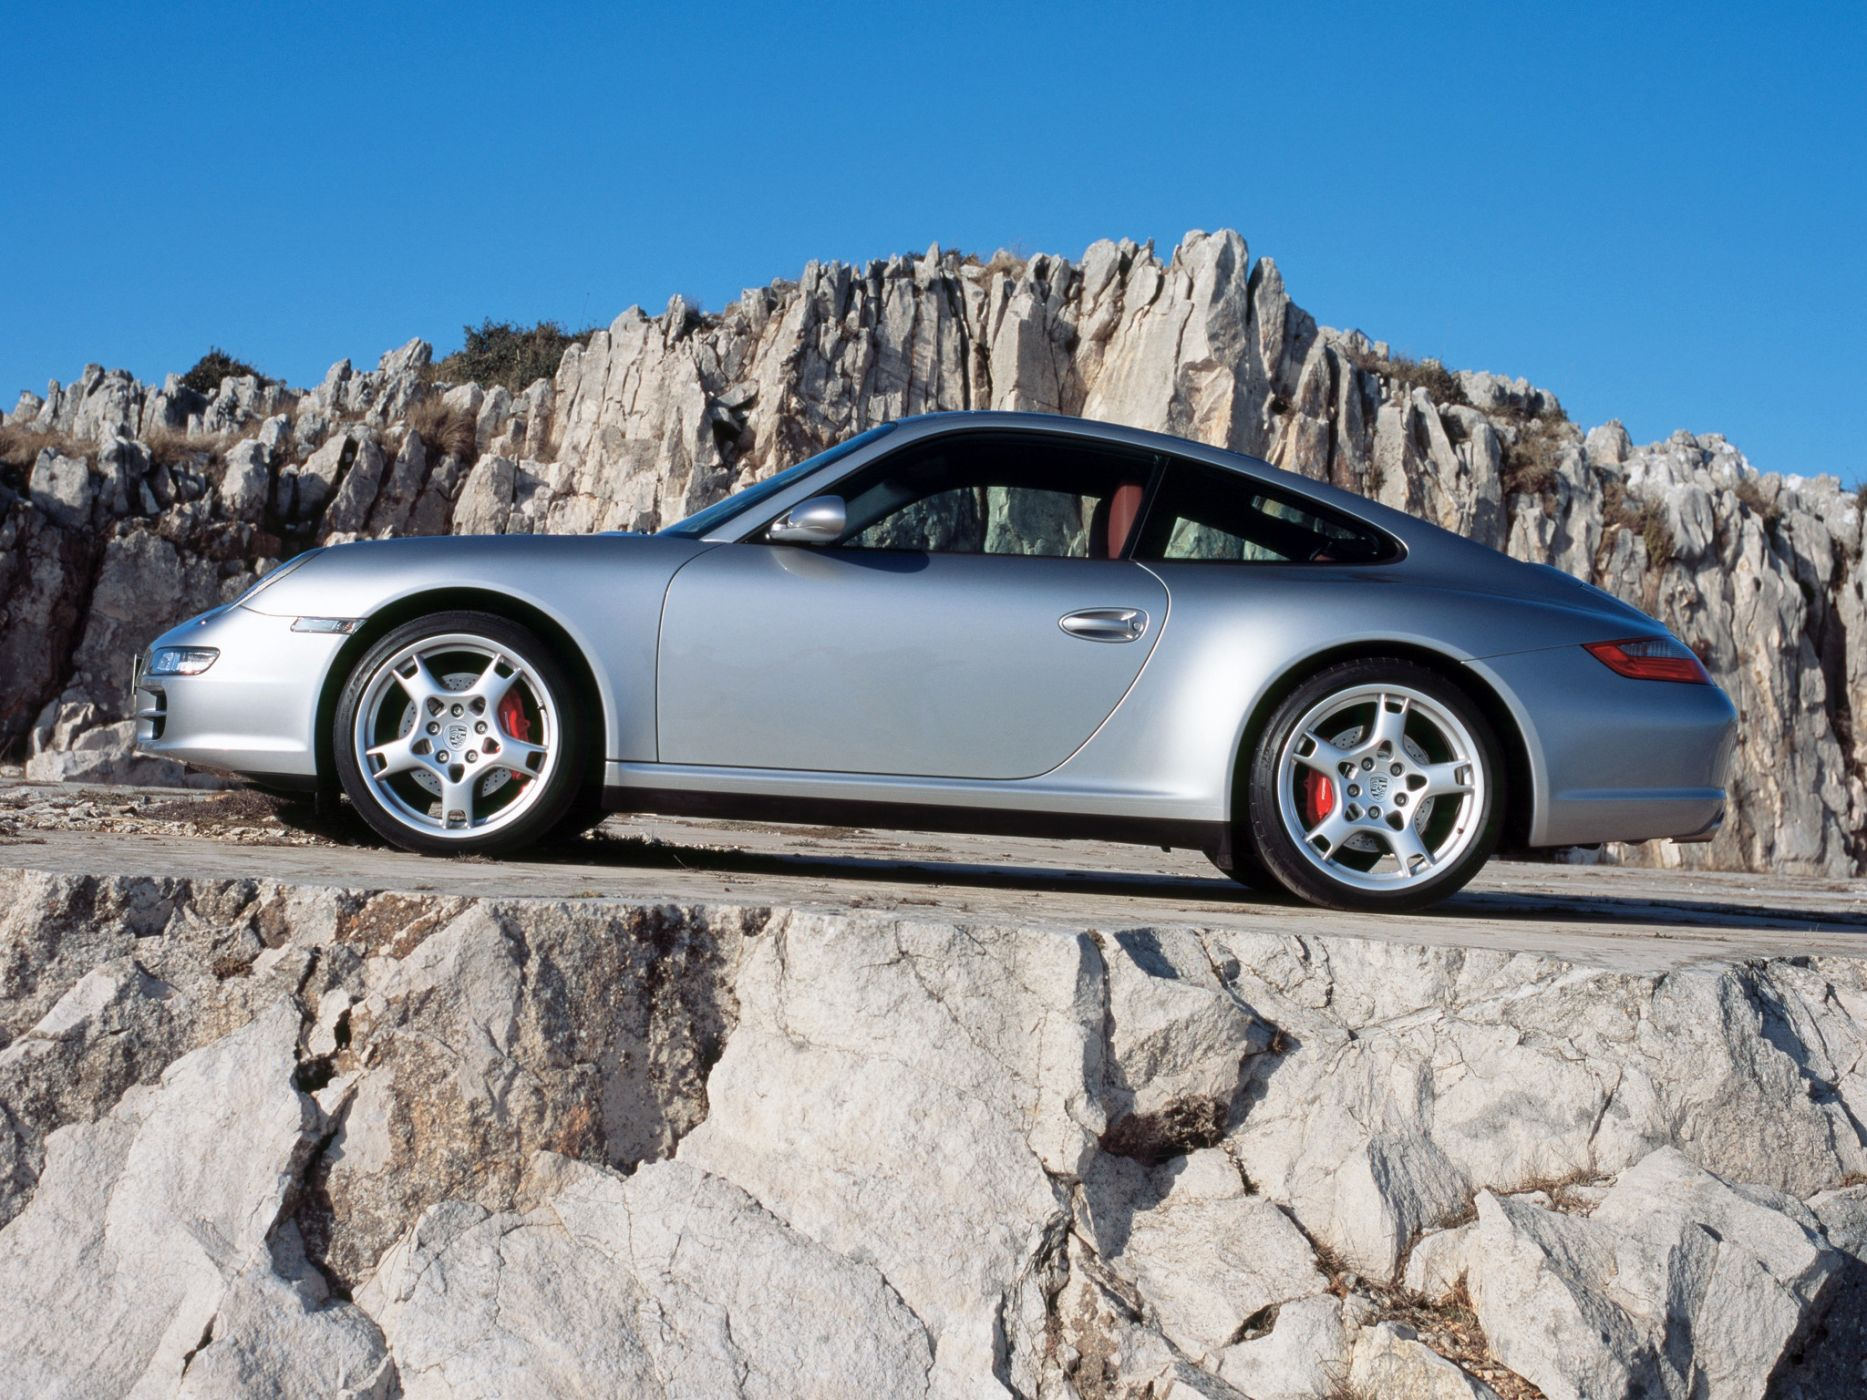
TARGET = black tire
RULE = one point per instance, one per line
(559, 795)
(1473, 822)
(586, 814)
(1245, 868)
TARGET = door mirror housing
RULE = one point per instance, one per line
(820, 520)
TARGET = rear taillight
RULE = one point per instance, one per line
(1650, 659)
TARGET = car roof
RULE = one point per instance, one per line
(1409, 528)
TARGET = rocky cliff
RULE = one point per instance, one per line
(262, 1138)
(128, 506)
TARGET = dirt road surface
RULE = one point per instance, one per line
(1632, 919)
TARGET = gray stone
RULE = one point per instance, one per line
(148, 1222)
(1679, 1284)
(669, 1280)
(1390, 1361)
(63, 488)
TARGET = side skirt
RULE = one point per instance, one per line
(1213, 838)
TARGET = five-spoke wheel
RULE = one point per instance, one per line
(1375, 786)
(457, 732)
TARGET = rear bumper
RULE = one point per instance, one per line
(1614, 759)
(253, 712)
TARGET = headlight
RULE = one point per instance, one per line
(265, 581)
(181, 661)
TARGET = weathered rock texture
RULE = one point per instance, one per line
(267, 1139)
(146, 504)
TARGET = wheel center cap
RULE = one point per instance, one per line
(1377, 785)
(457, 736)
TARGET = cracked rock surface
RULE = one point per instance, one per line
(322, 1141)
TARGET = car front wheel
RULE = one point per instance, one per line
(458, 733)
(1377, 786)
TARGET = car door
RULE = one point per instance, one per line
(978, 620)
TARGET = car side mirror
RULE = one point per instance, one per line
(820, 520)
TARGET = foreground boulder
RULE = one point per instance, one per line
(154, 1241)
(314, 1142)
(667, 1281)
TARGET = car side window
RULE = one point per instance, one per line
(1010, 494)
(1205, 515)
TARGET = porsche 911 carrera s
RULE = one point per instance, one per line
(973, 622)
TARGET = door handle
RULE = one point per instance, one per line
(1105, 624)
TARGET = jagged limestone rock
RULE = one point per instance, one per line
(150, 1221)
(1676, 1285)
(669, 1281)
(657, 416)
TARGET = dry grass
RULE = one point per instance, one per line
(170, 447)
(1451, 1328)
(1646, 519)
(445, 431)
(1533, 462)
(1441, 385)
(20, 446)
(1560, 1188)
(1004, 263)
(1448, 1326)
(1751, 494)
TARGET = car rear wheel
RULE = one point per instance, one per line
(1376, 786)
(458, 734)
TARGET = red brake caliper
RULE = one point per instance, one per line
(514, 721)
(1318, 796)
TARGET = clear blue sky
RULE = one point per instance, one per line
(1660, 212)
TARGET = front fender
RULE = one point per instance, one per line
(603, 591)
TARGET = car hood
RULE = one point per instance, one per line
(354, 580)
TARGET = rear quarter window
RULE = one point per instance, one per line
(1205, 515)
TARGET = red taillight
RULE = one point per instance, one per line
(1650, 659)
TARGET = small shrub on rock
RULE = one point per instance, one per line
(1533, 457)
(1646, 519)
(445, 431)
(1179, 1128)
(205, 375)
(1750, 491)
(1441, 384)
(499, 352)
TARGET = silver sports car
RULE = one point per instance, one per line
(973, 622)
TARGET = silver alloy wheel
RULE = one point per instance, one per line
(433, 735)
(1398, 783)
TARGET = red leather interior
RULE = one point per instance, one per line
(1123, 506)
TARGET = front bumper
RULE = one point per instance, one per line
(1614, 759)
(253, 712)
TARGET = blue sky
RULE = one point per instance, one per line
(1659, 212)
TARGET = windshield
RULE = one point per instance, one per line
(704, 522)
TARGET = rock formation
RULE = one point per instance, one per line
(271, 1139)
(130, 506)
